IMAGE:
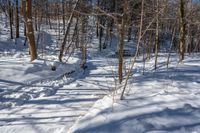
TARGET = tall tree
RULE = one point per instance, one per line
(10, 18)
(27, 12)
(157, 33)
(182, 29)
(17, 18)
(62, 48)
(121, 43)
(63, 14)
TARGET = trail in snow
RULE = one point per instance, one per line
(57, 111)
(35, 99)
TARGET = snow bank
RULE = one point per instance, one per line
(164, 101)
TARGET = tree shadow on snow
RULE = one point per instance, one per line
(169, 120)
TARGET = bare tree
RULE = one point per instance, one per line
(62, 48)
(157, 33)
(10, 18)
(17, 18)
(182, 29)
(27, 7)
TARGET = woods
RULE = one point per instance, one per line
(153, 25)
(88, 49)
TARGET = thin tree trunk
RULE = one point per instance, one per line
(182, 30)
(63, 15)
(67, 32)
(137, 50)
(10, 18)
(129, 33)
(190, 43)
(30, 31)
(83, 41)
(121, 51)
(100, 34)
(121, 45)
(17, 19)
(157, 35)
(171, 45)
(36, 23)
(24, 29)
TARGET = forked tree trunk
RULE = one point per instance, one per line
(136, 53)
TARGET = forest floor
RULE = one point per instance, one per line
(160, 101)
(49, 104)
(35, 99)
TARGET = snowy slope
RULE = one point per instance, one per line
(163, 101)
(35, 99)
(59, 102)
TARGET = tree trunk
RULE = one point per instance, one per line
(136, 53)
(63, 15)
(121, 45)
(67, 32)
(100, 34)
(10, 18)
(121, 52)
(157, 35)
(29, 25)
(17, 19)
(83, 41)
(182, 30)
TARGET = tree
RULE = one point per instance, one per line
(63, 14)
(27, 7)
(17, 19)
(10, 18)
(62, 48)
(182, 29)
(157, 33)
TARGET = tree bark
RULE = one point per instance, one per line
(182, 30)
(63, 14)
(67, 32)
(17, 19)
(29, 25)
(121, 51)
(157, 35)
(10, 18)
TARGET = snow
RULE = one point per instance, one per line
(160, 102)
(53, 105)
(36, 99)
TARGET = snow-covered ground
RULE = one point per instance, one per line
(35, 99)
(161, 101)
(52, 106)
